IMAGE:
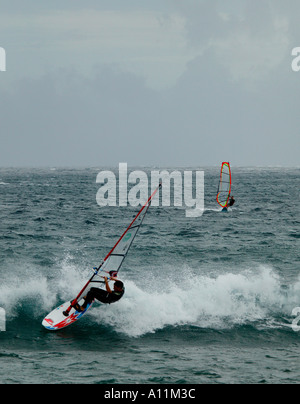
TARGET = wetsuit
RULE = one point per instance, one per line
(231, 202)
(103, 296)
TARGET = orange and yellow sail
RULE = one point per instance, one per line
(224, 187)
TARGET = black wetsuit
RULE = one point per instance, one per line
(231, 202)
(103, 296)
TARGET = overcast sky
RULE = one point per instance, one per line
(149, 82)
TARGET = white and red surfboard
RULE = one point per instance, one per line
(56, 320)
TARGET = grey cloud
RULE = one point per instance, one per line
(231, 102)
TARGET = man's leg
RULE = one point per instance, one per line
(95, 293)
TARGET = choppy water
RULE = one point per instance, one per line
(208, 300)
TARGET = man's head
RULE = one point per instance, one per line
(118, 286)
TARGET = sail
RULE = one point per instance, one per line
(224, 187)
(114, 259)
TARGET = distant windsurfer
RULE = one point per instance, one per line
(231, 201)
(104, 296)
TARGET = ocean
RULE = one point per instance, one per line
(209, 300)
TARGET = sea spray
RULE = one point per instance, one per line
(214, 302)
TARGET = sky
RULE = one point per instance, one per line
(164, 83)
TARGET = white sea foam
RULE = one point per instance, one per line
(223, 301)
(205, 301)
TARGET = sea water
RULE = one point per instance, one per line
(208, 299)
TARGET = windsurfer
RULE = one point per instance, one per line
(231, 201)
(104, 296)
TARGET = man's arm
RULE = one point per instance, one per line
(107, 285)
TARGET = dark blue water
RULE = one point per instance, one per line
(208, 299)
